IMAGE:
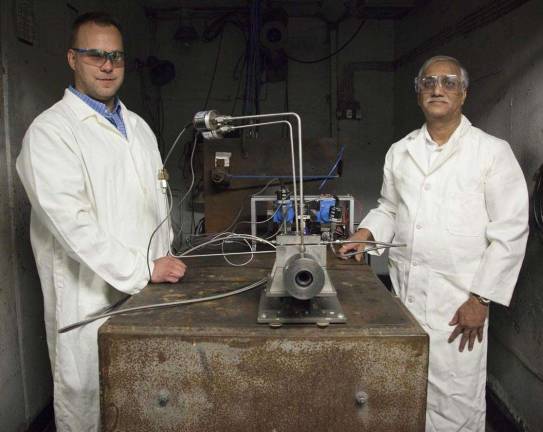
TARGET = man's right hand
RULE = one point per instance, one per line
(361, 235)
(168, 269)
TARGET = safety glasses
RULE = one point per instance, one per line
(98, 57)
(449, 83)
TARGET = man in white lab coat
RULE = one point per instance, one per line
(458, 198)
(89, 167)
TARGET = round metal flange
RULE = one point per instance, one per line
(303, 277)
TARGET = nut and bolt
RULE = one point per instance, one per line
(361, 398)
(163, 398)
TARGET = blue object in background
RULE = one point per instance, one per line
(323, 216)
(278, 215)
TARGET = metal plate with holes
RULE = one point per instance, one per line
(285, 310)
(212, 367)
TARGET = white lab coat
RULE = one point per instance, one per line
(465, 222)
(95, 202)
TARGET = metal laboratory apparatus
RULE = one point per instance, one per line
(219, 365)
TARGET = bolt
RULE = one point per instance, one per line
(263, 315)
(341, 316)
(163, 398)
(361, 398)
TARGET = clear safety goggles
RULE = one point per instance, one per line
(449, 83)
(98, 57)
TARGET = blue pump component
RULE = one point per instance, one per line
(323, 215)
(278, 215)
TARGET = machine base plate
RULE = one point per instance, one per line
(288, 310)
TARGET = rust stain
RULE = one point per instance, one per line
(212, 368)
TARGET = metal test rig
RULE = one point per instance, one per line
(299, 289)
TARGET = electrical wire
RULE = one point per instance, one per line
(371, 242)
(225, 255)
(275, 233)
(180, 205)
(258, 222)
(235, 222)
(334, 166)
(214, 70)
(167, 218)
(341, 48)
(175, 143)
(162, 305)
(221, 237)
(229, 254)
(170, 204)
(378, 246)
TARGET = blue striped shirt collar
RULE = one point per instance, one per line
(96, 105)
(114, 117)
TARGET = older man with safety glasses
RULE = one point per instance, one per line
(90, 167)
(457, 198)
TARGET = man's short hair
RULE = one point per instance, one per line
(464, 77)
(102, 19)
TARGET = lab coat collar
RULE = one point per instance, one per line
(84, 112)
(130, 121)
(416, 146)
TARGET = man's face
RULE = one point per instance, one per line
(99, 82)
(439, 103)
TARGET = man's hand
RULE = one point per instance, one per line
(469, 320)
(361, 235)
(168, 269)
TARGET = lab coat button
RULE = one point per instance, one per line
(415, 264)
(427, 187)
(410, 299)
(419, 226)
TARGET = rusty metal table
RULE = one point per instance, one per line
(211, 367)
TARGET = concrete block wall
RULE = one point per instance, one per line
(505, 59)
(33, 78)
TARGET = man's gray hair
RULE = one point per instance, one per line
(464, 77)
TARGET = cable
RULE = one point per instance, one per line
(224, 236)
(175, 143)
(331, 54)
(170, 205)
(338, 160)
(235, 223)
(225, 256)
(258, 222)
(180, 205)
(371, 242)
(229, 253)
(163, 305)
(379, 245)
(275, 233)
(214, 70)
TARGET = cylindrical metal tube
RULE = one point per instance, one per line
(203, 120)
(303, 277)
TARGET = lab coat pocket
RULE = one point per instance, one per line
(446, 293)
(396, 270)
(466, 214)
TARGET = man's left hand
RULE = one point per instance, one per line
(469, 320)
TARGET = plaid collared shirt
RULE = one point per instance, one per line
(114, 117)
